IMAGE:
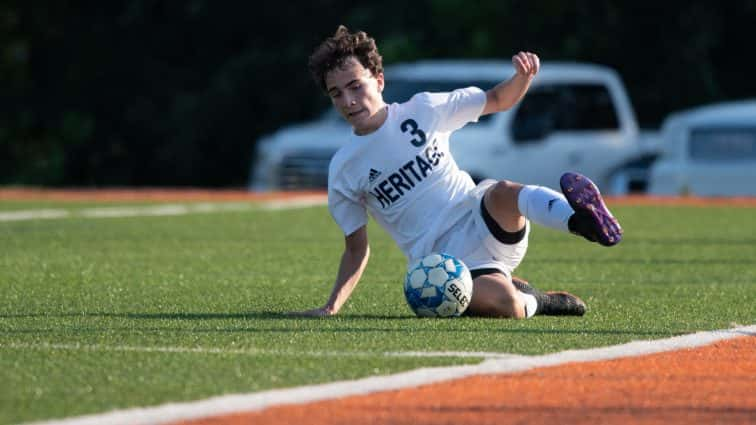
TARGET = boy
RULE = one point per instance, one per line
(398, 167)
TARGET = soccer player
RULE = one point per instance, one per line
(398, 167)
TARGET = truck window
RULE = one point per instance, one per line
(563, 107)
(723, 144)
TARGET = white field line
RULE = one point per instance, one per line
(238, 403)
(33, 214)
(256, 351)
(161, 210)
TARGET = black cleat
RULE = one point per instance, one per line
(552, 303)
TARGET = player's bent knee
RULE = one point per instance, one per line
(502, 197)
(505, 191)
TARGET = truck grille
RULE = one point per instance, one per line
(305, 169)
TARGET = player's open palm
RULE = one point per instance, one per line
(526, 63)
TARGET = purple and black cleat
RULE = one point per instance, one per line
(592, 218)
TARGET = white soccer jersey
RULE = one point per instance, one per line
(404, 174)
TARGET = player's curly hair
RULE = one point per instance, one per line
(334, 52)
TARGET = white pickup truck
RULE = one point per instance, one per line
(575, 117)
(708, 151)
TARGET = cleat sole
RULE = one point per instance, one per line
(583, 195)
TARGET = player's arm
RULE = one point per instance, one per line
(353, 263)
(507, 93)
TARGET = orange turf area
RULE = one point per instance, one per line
(712, 384)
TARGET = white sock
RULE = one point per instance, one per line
(545, 206)
(530, 304)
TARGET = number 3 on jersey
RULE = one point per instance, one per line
(411, 126)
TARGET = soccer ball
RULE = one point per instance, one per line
(438, 285)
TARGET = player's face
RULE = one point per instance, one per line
(356, 93)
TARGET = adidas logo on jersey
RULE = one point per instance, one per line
(406, 177)
(374, 174)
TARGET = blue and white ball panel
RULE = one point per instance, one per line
(432, 260)
(417, 278)
(438, 285)
(437, 276)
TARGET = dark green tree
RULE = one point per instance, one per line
(175, 93)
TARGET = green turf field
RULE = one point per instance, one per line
(107, 313)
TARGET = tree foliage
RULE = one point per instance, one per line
(148, 92)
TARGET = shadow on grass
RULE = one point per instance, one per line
(524, 331)
(340, 324)
(253, 315)
(695, 241)
(644, 261)
(667, 240)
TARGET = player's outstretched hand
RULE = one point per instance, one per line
(526, 63)
(315, 312)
